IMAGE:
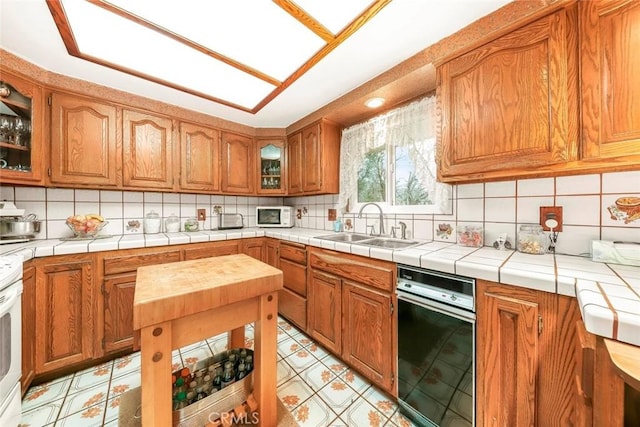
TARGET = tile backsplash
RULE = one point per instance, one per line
(588, 203)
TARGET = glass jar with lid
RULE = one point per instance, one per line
(191, 224)
(172, 223)
(532, 240)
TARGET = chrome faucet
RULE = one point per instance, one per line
(381, 215)
(403, 230)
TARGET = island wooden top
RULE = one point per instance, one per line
(626, 359)
(169, 291)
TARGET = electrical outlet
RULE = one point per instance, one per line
(202, 214)
(332, 215)
(548, 214)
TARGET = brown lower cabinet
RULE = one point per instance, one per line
(292, 299)
(350, 311)
(526, 356)
(28, 326)
(79, 308)
(64, 311)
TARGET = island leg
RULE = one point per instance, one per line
(265, 377)
(155, 357)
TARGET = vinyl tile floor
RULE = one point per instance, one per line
(316, 387)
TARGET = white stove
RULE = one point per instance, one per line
(10, 339)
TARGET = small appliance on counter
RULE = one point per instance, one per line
(228, 221)
(15, 226)
(625, 253)
(275, 216)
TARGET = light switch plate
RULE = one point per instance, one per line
(551, 212)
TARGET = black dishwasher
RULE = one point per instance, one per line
(436, 347)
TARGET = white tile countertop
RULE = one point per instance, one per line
(608, 294)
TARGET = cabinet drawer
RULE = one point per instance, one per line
(375, 273)
(124, 264)
(294, 277)
(292, 252)
(212, 250)
(293, 307)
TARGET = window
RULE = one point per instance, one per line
(390, 160)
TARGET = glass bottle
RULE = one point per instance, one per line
(181, 401)
(228, 376)
(532, 240)
(248, 363)
(217, 379)
(241, 372)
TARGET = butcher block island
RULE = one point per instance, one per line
(184, 302)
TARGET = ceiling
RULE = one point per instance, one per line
(256, 62)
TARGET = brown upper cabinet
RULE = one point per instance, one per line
(237, 164)
(147, 144)
(83, 141)
(509, 106)
(610, 91)
(200, 154)
(517, 105)
(314, 159)
(21, 124)
(272, 164)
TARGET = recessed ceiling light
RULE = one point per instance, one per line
(374, 102)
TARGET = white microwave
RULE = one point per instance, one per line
(274, 216)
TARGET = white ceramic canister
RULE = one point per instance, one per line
(152, 223)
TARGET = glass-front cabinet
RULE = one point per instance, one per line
(271, 153)
(21, 127)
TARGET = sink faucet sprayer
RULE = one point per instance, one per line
(381, 216)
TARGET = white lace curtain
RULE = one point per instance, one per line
(411, 127)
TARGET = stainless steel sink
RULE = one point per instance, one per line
(345, 237)
(363, 239)
(390, 243)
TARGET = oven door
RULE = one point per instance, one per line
(10, 338)
(436, 362)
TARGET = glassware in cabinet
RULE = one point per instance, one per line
(271, 155)
(20, 130)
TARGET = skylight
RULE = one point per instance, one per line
(241, 53)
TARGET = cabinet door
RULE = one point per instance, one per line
(367, 333)
(610, 39)
(293, 307)
(324, 310)
(507, 352)
(28, 328)
(200, 148)
(64, 314)
(294, 156)
(272, 252)
(272, 166)
(147, 142)
(23, 148)
(237, 164)
(254, 248)
(83, 141)
(312, 158)
(118, 295)
(509, 104)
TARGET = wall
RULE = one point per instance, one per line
(499, 207)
